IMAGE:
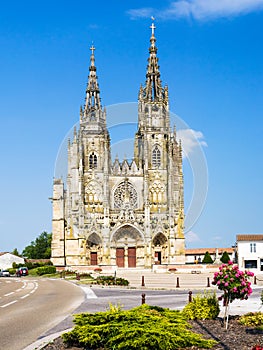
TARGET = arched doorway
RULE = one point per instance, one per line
(127, 243)
(93, 249)
(160, 248)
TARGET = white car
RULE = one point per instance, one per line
(4, 273)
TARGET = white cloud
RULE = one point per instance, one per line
(191, 139)
(201, 9)
(191, 237)
(141, 13)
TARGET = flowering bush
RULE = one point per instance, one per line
(233, 282)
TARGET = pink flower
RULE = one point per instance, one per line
(230, 262)
(226, 284)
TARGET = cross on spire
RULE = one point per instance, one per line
(152, 27)
(92, 48)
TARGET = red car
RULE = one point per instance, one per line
(22, 271)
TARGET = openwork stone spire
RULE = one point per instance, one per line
(93, 92)
(153, 91)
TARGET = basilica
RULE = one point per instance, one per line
(121, 214)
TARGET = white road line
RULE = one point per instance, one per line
(25, 296)
(6, 295)
(18, 290)
(12, 302)
(89, 293)
(7, 281)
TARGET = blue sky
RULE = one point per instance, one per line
(211, 57)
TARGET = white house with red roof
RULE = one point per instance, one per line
(250, 252)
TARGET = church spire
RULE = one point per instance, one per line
(153, 91)
(92, 92)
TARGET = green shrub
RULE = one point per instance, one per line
(202, 307)
(144, 327)
(111, 280)
(12, 271)
(225, 258)
(207, 259)
(46, 270)
(252, 319)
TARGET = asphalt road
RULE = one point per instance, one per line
(30, 307)
(99, 298)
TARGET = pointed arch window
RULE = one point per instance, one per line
(93, 161)
(156, 157)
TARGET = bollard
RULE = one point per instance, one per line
(177, 282)
(143, 298)
(208, 282)
(255, 279)
(190, 296)
(143, 285)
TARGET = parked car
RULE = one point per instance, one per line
(4, 273)
(22, 271)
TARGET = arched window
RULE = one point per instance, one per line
(93, 161)
(156, 157)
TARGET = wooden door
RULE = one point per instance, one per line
(120, 257)
(157, 258)
(131, 257)
(93, 258)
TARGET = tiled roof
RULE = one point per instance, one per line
(250, 237)
(202, 251)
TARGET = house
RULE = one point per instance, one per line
(194, 256)
(250, 251)
(7, 260)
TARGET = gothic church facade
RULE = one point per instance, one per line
(121, 214)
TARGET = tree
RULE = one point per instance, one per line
(15, 252)
(40, 248)
(234, 284)
(225, 258)
(207, 259)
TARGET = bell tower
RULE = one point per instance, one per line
(159, 154)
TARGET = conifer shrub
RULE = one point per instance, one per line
(207, 259)
(144, 327)
(202, 307)
(225, 258)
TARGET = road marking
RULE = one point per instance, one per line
(6, 295)
(89, 293)
(25, 296)
(12, 302)
(18, 290)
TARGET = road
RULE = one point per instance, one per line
(30, 307)
(99, 298)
